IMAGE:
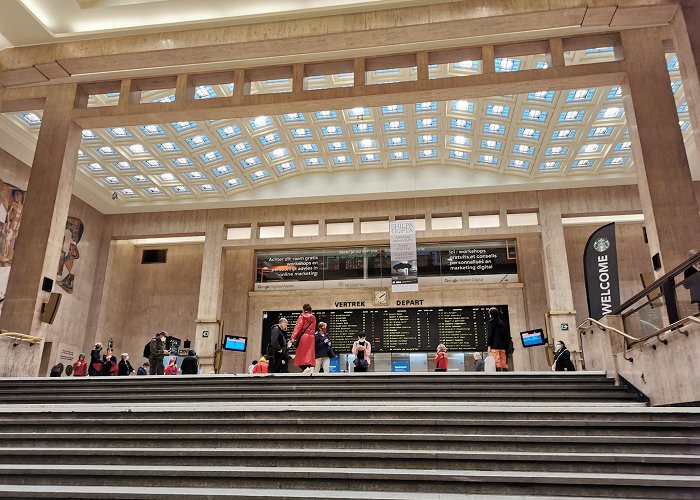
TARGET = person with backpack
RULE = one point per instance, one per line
(155, 351)
(498, 339)
(441, 358)
(305, 357)
(190, 365)
(562, 359)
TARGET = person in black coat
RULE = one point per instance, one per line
(190, 365)
(279, 358)
(498, 340)
(125, 367)
(562, 359)
(95, 366)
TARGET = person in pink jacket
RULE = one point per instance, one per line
(305, 357)
(172, 368)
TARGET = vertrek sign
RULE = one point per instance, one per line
(600, 269)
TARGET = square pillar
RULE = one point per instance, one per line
(38, 246)
(208, 327)
(663, 175)
(686, 40)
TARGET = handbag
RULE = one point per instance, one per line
(298, 339)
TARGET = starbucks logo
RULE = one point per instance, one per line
(601, 244)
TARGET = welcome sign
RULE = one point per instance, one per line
(404, 260)
(600, 269)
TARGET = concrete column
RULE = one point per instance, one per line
(557, 281)
(686, 40)
(40, 239)
(665, 186)
(210, 296)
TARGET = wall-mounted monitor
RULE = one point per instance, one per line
(233, 343)
(50, 308)
(532, 338)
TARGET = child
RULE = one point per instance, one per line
(261, 367)
(441, 359)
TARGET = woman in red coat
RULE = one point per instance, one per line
(80, 367)
(305, 357)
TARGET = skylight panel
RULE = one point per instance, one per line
(459, 140)
(81, 154)
(529, 133)
(580, 95)
(591, 148)
(308, 148)
(673, 63)
(683, 107)
(138, 149)
(95, 167)
(233, 183)
(222, 170)
(564, 134)
(206, 188)
(211, 156)
(359, 112)
(331, 130)
(128, 192)
(197, 141)
(571, 116)
(490, 144)
(534, 115)
(541, 65)
(394, 125)
(167, 98)
(468, 64)
(369, 158)
(298, 133)
(494, 128)
(326, 115)
(167, 177)
(462, 106)
(259, 174)
(615, 93)
(399, 155)
(362, 128)
(427, 123)
(609, 113)
(424, 154)
(111, 180)
(196, 176)
(293, 117)
(151, 130)
(31, 119)
(182, 162)
(675, 86)
(337, 146)
(153, 190)
(541, 96)
(278, 153)
(556, 151)
(179, 188)
(683, 124)
(519, 164)
(287, 166)
(270, 138)
(426, 106)
(314, 162)
(253, 161)
(119, 132)
(123, 165)
(106, 151)
(393, 142)
(89, 135)
(152, 164)
(240, 147)
(550, 165)
(458, 155)
(204, 92)
(623, 146)
(168, 147)
(601, 131)
(392, 109)
(582, 163)
(497, 110)
(366, 143)
(427, 139)
(260, 122)
(488, 159)
(599, 50)
(183, 125)
(506, 64)
(461, 124)
(616, 161)
(228, 131)
(139, 178)
(523, 149)
(341, 160)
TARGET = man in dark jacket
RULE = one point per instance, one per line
(278, 348)
(498, 339)
(190, 365)
(158, 351)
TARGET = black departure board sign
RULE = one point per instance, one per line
(412, 329)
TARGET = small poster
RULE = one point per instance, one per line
(404, 261)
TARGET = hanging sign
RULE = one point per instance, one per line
(404, 262)
(600, 269)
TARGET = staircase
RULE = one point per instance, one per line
(344, 436)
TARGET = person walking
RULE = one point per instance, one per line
(80, 367)
(562, 359)
(158, 352)
(322, 346)
(95, 367)
(125, 367)
(361, 349)
(498, 339)
(305, 357)
(441, 359)
(172, 368)
(279, 361)
(190, 365)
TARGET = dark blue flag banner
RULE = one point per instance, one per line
(600, 270)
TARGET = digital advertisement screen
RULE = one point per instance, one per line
(398, 329)
(532, 338)
(232, 343)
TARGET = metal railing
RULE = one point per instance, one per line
(589, 324)
(20, 337)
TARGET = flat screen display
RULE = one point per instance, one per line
(532, 338)
(398, 329)
(232, 343)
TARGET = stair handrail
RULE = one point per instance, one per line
(670, 328)
(20, 336)
(605, 327)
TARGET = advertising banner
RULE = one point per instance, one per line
(404, 260)
(600, 270)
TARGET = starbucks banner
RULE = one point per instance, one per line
(600, 270)
(404, 260)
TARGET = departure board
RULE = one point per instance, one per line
(414, 329)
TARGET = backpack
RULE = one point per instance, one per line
(147, 350)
